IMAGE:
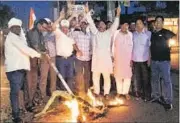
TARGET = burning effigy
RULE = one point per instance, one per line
(75, 108)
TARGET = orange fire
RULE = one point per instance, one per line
(73, 105)
(75, 112)
(117, 101)
(93, 101)
(84, 118)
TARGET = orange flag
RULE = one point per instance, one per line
(32, 18)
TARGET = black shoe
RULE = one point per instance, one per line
(162, 100)
(30, 108)
(168, 107)
(22, 112)
(146, 99)
(17, 120)
(137, 95)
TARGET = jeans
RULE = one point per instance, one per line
(141, 75)
(16, 83)
(161, 69)
(82, 73)
(66, 68)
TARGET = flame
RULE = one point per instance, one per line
(73, 105)
(117, 101)
(84, 118)
(94, 102)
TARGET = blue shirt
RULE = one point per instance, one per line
(141, 46)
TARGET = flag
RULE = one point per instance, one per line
(32, 18)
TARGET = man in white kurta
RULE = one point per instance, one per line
(122, 51)
(17, 62)
(101, 58)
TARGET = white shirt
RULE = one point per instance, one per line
(17, 53)
(64, 44)
(141, 46)
(101, 57)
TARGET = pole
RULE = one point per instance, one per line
(59, 75)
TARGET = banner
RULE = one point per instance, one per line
(77, 9)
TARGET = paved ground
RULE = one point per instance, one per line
(136, 111)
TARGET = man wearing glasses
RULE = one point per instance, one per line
(35, 41)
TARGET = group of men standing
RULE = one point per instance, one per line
(72, 45)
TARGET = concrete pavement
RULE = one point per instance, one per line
(136, 111)
(139, 111)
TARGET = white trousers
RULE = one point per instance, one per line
(96, 82)
(123, 85)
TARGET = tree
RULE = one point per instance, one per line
(5, 15)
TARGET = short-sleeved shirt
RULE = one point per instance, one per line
(160, 50)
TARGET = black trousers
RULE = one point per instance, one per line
(141, 74)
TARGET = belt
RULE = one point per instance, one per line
(66, 57)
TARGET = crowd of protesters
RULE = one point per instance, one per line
(79, 47)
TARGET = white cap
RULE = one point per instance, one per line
(14, 22)
(65, 23)
(48, 20)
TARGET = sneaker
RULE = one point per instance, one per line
(168, 107)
